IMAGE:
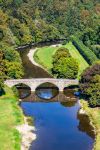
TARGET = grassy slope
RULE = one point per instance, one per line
(44, 56)
(95, 121)
(10, 116)
(75, 54)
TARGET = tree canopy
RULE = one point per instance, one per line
(90, 83)
(64, 66)
(45, 20)
(2, 71)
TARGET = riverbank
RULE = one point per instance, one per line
(44, 55)
(32, 55)
(27, 135)
(12, 122)
(34, 60)
(10, 116)
(94, 116)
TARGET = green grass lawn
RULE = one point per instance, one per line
(44, 56)
(10, 116)
(75, 54)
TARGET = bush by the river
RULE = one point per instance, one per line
(90, 84)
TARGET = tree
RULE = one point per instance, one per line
(90, 83)
(2, 71)
(61, 52)
(25, 35)
(64, 66)
(10, 54)
(14, 70)
(3, 18)
(73, 19)
(94, 91)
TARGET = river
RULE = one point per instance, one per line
(59, 125)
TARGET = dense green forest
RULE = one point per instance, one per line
(23, 21)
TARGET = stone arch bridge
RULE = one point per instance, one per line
(35, 82)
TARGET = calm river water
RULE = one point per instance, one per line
(59, 126)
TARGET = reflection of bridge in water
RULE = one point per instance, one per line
(34, 83)
(61, 97)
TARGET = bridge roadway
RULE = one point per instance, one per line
(35, 82)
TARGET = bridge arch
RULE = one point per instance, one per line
(47, 85)
(51, 89)
(23, 90)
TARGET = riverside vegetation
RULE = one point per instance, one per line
(24, 22)
(90, 87)
(10, 116)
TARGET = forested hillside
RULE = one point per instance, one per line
(24, 21)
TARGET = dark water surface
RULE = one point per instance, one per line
(32, 71)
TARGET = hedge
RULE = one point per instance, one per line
(96, 50)
(87, 53)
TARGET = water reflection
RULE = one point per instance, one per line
(68, 104)
(47, 91)
(69, 92)
(85, 126)
(45, 94)
(84, 122)
(23, 90)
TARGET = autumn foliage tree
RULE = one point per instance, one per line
(90, 84)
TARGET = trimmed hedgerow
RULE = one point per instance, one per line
(87, 53)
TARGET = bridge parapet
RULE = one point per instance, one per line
(34, 83)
